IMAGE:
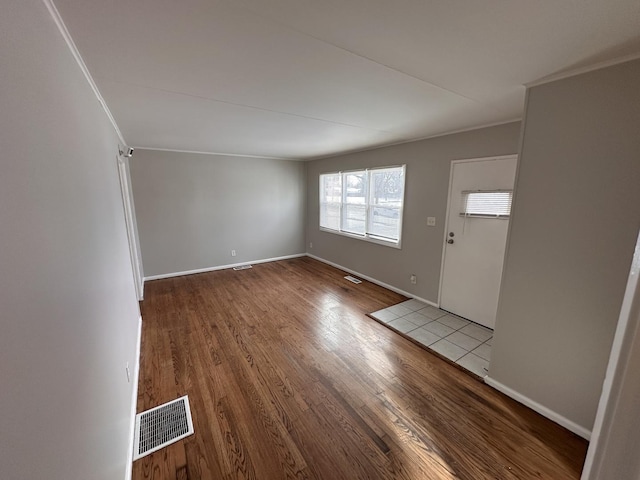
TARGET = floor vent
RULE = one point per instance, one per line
(353, 279)
(162, 426)
(243, 267)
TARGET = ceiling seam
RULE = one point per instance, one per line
(359, 55)
(226, 102)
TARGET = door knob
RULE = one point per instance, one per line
(450, 241)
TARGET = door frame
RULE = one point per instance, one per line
(620, 382)
(132, 230)
(446, 218)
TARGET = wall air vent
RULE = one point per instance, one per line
(161, 426)
(242, 267)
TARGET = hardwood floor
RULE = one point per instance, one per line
(288, 378)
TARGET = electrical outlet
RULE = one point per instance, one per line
(431, 221)
(310, 244)
(128, 373)
(233, 253)
(414, 279)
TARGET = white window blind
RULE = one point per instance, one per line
(365, 203)
(487, 203)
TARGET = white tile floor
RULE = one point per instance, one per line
(462, 341)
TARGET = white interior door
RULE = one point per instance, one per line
(476, 236)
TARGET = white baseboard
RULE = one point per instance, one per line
(221, 267)
(134, 402)
(541, 409)
(373, 280)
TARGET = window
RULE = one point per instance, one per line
(487, 203)
(366, 203)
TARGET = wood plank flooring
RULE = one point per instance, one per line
(288, 378)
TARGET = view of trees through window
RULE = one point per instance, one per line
(367, 203)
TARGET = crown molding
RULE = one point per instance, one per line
(403, 142)
(581, 70)
(76, 55)
(221, 154)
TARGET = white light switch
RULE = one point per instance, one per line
(431, 221)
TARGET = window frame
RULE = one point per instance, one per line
(367, 237)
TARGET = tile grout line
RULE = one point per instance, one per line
(466, 353)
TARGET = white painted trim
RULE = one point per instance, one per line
(339, 154)
(446, 218)
(444, 134)
(76, 54)
(365, 238)
(132, 230)
(291, 159)
(620, 373)
(373, 280)
(541, 409)
(580, 70)
(446, 230)
(134, 403)
(221, 267)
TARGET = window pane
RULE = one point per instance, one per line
(385, 222)
(354, 218)
(355, 187)
(387, 196)
(354, 207)
(330, 188)
(387, 186)
(487, 204)
(330, 198)
(330, 215)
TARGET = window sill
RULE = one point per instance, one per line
(370, 239)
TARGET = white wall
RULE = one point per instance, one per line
(426, 194)
(576, 215)
(193, 209)
(68, 316)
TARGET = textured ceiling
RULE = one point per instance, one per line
(305, 79)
